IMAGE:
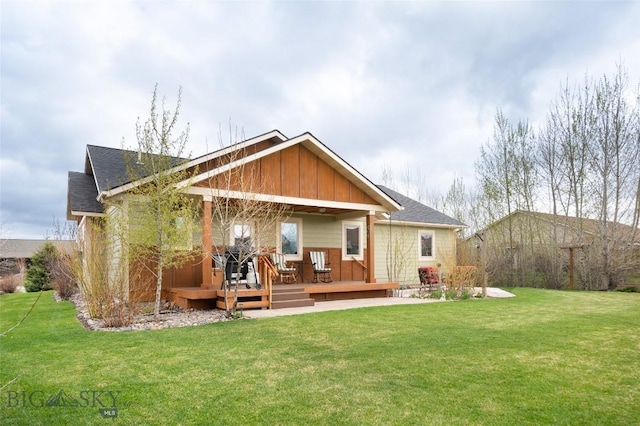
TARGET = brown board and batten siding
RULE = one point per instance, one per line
(309, 176)
(297, 172)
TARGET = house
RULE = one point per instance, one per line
(542, 250)
(16, 254)
(330, 208)
(414, 237)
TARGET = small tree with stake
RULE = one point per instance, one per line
(159, 215)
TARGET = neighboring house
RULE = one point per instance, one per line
(16, 254)
(536, 246)
(332, 208)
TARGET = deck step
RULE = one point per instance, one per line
(295, 303)
(290, 297)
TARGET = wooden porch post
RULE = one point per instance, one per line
(207, 244)
(370, 273)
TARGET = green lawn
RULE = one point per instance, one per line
(544, 357)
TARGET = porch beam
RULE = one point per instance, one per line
(215, 192)
(207, 244)
(371, 267)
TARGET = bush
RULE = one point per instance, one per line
(62, 275)
(436, 294)
(38, 276)
(451, 295)
(629, 289)
(466, 294)
(9, 284)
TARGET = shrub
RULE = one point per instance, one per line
(466, 294)
(115, 312)
(9, 284)
(436, 294)
(62, 274)
(629, 289)
(38, 273)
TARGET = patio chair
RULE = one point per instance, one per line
(287, 273)
(428, 276)
(320, 270)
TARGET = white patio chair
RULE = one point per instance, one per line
(320, 270)
(287, 273)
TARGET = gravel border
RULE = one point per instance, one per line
(168, 318)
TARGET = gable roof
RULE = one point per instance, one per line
(118, 168)
(106, 170)
(418, 213)
(82, 195)
(113, 167)
(324, 153)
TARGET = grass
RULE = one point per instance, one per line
(544, 357)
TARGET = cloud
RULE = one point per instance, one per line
(409, 84)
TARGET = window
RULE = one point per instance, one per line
(426, 245)
(241, 235)
(352, 240)
(290, 243)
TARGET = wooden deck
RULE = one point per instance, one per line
(283, 295)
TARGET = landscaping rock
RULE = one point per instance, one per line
(169, 318)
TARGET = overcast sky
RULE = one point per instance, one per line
(398, 83)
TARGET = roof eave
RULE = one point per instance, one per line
(425, 224)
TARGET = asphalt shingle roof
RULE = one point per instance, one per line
(82, 193)
(110, 170)
(417, 212)
(25, 249)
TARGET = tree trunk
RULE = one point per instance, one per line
(156, 307)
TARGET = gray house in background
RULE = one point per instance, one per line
(15, 254)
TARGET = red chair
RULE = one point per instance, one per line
(428, 276)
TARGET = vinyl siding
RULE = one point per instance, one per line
(406, 240)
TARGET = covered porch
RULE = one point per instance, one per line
(320, 204)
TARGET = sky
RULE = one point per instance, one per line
(406, 86)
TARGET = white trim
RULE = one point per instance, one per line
(423, 224)
(316, 147)
(213, 192)
(95, 178)
(190, 163)
(307, 139)
(361, 226)
(300, 247)
(241, 145)
(433, 244)
(81, 213)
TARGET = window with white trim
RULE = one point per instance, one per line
(290, 242)
(426, 243)
(352, 240)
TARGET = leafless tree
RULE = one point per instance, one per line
(245, 217)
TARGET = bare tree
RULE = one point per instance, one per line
(589, 150)
(245, 219)
(615, 156)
